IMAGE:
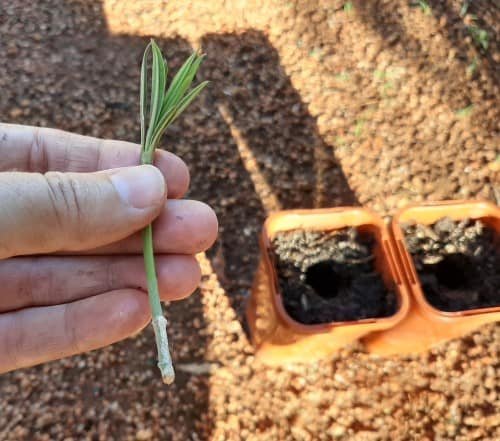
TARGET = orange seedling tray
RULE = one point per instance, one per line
(277, 337)
(426, 326)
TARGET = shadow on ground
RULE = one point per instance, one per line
(252, 148)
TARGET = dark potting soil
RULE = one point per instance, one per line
(330, 276)
(458, 263)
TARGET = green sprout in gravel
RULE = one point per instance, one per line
(424, 6)
(465, 112)
(464, 8)
(472, 67)
(165, 105)
(358, 128)
(348, 7)
(480, 36)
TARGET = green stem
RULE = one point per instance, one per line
(158, 321)
(149, 262)
(149, 253)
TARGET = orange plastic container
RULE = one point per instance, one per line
(426, 326)
(276, 336)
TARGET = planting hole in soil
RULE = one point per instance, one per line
(330, 276)
(458, 263)
(456, 271)
(327, 282)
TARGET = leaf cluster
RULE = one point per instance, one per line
(166, 102)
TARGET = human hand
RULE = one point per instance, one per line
(71, 271)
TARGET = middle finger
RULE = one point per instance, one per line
(51, 280)
(184, 227)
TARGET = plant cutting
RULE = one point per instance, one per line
(450, 255)
(159, 107)
(327, 277)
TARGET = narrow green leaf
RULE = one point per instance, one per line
(143, 94)
(171, 115)
(161, 126)
(182, 80)
(166, 73)
(186, 101)
(158, 83)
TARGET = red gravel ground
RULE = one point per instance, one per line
(312, 103)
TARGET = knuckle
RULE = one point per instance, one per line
(72, 341)
(66, 194)
(13, 342)
(37, 157)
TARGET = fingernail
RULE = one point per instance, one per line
(141, 187)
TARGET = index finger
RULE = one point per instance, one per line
(35, 149)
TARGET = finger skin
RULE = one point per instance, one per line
(183, 227)
(35, 149)
(73, 211)
(37, 335)
(51, 280)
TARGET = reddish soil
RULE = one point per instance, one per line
(312, 103)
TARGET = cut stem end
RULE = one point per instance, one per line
(164, 360)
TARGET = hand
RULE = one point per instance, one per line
(71, 271)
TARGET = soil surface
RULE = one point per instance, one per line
(330, 276)
(312, 103)
(458, 263)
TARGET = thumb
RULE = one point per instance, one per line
(76, 211)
